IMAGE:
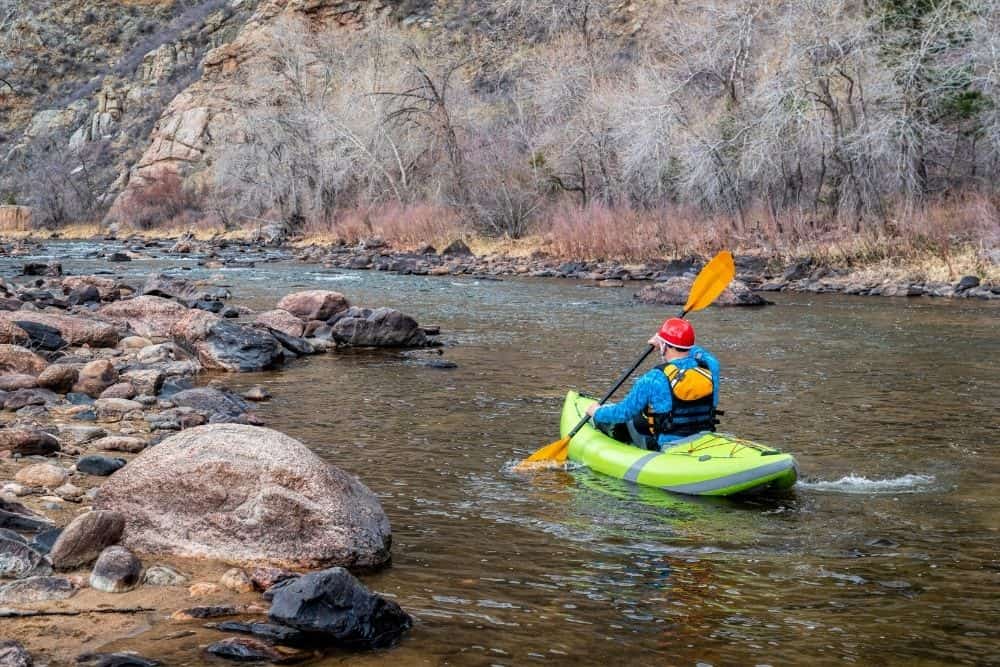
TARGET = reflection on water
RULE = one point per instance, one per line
(886, 554)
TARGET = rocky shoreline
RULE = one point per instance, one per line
(116, 469)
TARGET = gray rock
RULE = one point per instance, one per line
(164, 575)
(266, 631)
(12, 654)
(117, 570)
(967, 282)
(18, 560)
(233, 347)
(102, 466)
(382, 327)
(675, 292)
(245, 649)
(123, 659)
(336, 606)
(85, 538)
(36, 589)
(15, 516)
(145, 380)
(218, 406)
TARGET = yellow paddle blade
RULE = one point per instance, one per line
(556, 451)
(711, 281)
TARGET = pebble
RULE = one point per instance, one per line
(164, 575)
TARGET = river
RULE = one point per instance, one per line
(886, 552)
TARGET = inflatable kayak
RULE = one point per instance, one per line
(704, 464)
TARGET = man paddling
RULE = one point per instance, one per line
(674, 399)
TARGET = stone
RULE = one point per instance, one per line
(332, 604)
(382, 327)
(46, 475)
(59, 377)
(966, 283)
(457, 248)
(79, 435)
(15, 516)
(45, 540)
(18, 560)
(108, 288)
(265, 577)
(124, 390)
(11, 334)
(250, 497)
(122, 659)
(193, 326)
(95, 377)
(245, 649)
(294, 345)
(115, 407)
(256, 393)
(674, 292)
(314, 304)
(17, 381)
(203, 588)
(164, 575)
(12, 654)
(36, 589)
(236, 580)
(145, 381)
(161, 285)
(155, 354)
(117, 570)
(134, 343)
(266, 631)
(48, 269)
(146, 316)
(41, 336)
(74, 330)
(85, 538)
(83, 295)
(281, 320)
(69, 492)
(233, 347)
(217, 405)
(20, 360)
(101, 466)
(20, 398)
(28, 442)
(120, 443)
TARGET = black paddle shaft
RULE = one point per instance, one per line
(621, 381)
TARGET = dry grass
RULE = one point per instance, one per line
(403, 227)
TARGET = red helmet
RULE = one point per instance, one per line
(677, 333)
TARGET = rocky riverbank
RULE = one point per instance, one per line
(129, 491)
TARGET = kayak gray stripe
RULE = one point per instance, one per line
(730, 480)
(633, 472)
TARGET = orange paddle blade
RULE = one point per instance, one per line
(556, 451)
(713, 279)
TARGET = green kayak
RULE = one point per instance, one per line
(704, 464)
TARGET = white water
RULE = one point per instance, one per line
(909, 483)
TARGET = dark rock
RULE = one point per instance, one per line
(799, 270)
(115, 660)
(382, 327)
(967, 282)
(83, 295)
(118, 257)
(42, 336)
(85, 538)
(59, 378)
(8, 534)
(230, 313)
(218, 406)
(36, 589)
(333, 605)
(18, 560)
(12, 654)
(675, 292)
(296, 345)
(210, 306)
(16, 516)
(244, 649)
(78, 398)
(50, 269)
(272, 590)
(207, 611)
(278, 634)
(20, 398)
(233, 347)
(117, 570)
(27, 442)
(457, 248)
(159, 284)
(102, 466)
(45, 540)
(440, 364)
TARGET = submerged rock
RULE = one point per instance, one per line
(245, 649)
(332, 605)
(117, 570)
(246, 496)
(217, 405)
(36, 589)
(85, 538)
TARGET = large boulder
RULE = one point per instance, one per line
(28, 442)
(314, 304)
(74, 330)
(149, 316)
(20, 360)
(382, 327)
(229, 346)
(85, 538)
(334, 606)
(247, 496)
(159, 284)
(674, 292)
(281, 320)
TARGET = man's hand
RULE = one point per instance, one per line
(591, 409)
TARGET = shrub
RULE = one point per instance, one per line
(159, 202)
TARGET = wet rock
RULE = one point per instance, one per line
(244, 649)
(675, 292)
(314, 304)
(36, 589)
(28, 442)
(18, 560)
(49, 269)
(297, 346)
(256, 393)
(101, 466)
(117, 570)
(216, 404)
(205, 611)
(20, 360)
(251, 496)
(147, 316)
(95, 377)
(45, 475)
(16, 400)
(45, 540)
(74, 330)
(119, 390)
(278, 634)
(232, 347)
(236, 580)
(281, 320)
(85, 538)
(382, 327)
(41, 336)
(338, 607)
(966, 283)
(15, 516)
(164, 575)
(58, 377)
(118, 257)
(120, 443)
(12, 654)
(79, 435)
(17, 381)
(112, 408)
(11, 334)
(115, 660)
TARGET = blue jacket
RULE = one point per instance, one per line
(653, 389)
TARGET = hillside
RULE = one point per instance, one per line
(599, 128)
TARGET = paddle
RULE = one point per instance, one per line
(711, 281)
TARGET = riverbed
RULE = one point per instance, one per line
(884, 553)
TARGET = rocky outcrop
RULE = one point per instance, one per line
(382, 327)
(246, 495)
(675, 291)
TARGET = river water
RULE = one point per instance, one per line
(886, 552)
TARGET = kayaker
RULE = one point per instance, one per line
(674, 399)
